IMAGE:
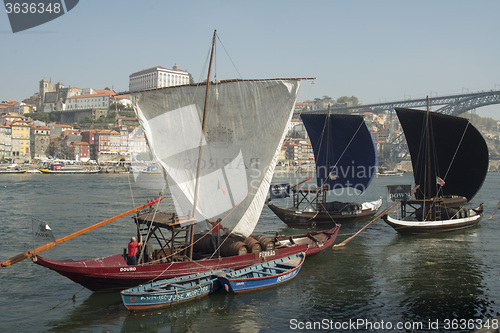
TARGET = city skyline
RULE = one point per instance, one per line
(376, 51)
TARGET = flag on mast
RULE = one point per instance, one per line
(42, 231)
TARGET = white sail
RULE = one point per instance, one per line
(245, 126)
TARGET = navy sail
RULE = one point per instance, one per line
(449, 156)
(344, 150)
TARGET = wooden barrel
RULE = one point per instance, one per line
(203, 243)
(233, 248)
(252, 244)
(266, 243)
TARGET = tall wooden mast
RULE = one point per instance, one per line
(200, 150)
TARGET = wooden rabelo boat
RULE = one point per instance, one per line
(173, 259)
(264, 275)
(208, 139)
(450, 162)
(346, 157)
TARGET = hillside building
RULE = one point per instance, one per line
(158, 77)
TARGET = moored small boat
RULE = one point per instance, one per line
(462, 218)
(10, 171)
(171, 291)
(349, 212)
(69, 170)
(263, 275)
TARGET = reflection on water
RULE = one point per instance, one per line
(440, 277)
(379, 275)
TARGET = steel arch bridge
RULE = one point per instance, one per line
(451, 105)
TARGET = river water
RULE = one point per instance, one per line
(380, 281)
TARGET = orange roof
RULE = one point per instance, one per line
(40, 127)
(101, 93)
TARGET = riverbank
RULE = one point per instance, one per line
(404, 166)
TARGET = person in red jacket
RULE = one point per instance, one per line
(216, 228)
(132, 250)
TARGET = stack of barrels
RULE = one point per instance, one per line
(233, 245)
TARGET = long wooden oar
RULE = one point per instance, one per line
(31, 253)
(375, 219)
(494, 211)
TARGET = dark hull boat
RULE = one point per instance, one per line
(113, 274)
(349, 213)
(345, 156)
(450, 162)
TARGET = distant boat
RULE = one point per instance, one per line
(266, 274)
(450, 161)
(171, 291)
(345, 156)
(389, 173)
(61, 169)
(12, 168)
(11, 171)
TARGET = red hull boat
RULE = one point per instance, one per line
(112, 273)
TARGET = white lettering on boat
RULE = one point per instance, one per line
(128, 269)
(264, 254)
(286, 276)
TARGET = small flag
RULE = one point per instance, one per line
(220, 187)
(279, 191)
(42, 231)
(333, 176)
(440, 181)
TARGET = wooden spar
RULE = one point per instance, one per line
(375, 219)
(31, 253)
(300, 182)
(327, 157)
(494, 211)
(203, 129)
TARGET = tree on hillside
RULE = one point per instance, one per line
(348, 100)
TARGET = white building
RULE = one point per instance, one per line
(158, 77)
(98, 99)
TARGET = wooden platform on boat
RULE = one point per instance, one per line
(158, 219)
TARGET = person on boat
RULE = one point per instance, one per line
(132, 250)
(216, 228)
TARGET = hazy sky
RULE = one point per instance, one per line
(378, 51)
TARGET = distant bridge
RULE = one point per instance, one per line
(452, 105)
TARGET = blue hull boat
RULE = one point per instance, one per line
(172, 291)
(263, 275)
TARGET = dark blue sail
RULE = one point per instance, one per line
(344, 150)
(448, 154)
